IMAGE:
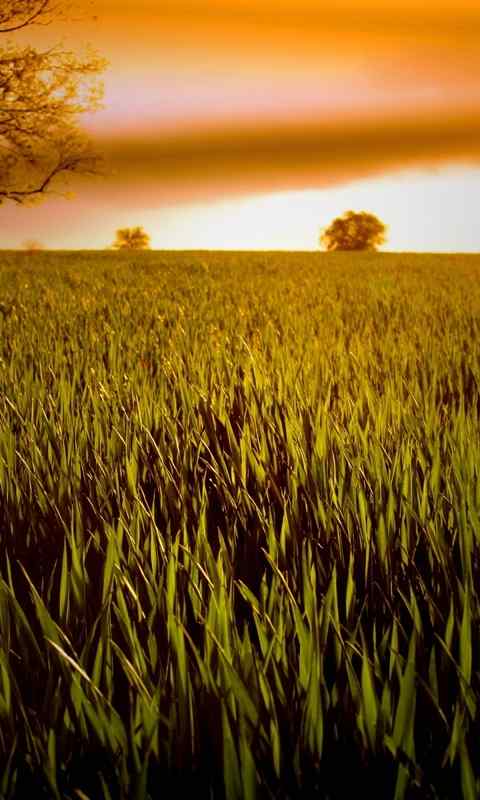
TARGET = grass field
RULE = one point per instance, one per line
(239, 525)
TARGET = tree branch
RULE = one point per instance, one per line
(81, 163)
(42, 96)
(34, 17)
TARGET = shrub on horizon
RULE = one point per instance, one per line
(354, 230)
(131, 239)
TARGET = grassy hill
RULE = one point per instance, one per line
(239, 525)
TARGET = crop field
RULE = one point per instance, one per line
(239, 526)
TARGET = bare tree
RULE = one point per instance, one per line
(42, 95)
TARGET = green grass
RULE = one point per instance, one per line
(239, 525)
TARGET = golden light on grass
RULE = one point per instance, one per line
(239, 492)
(242, 510)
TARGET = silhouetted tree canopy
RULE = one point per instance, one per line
(42, 95)
(131, 239)
(354, 230)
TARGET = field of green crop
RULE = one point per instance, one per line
(239, 526)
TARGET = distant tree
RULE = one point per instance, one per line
(131, 239)
(42, 94)
(32, 246)
(354, 230)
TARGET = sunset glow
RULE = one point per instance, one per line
(415, 204)
(218, 112)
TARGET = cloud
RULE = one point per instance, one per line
(286, 156)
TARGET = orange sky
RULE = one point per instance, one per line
(214, 99)
(201, 60)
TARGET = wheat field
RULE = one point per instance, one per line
(239, 525)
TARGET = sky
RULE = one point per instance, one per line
(252, 123)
